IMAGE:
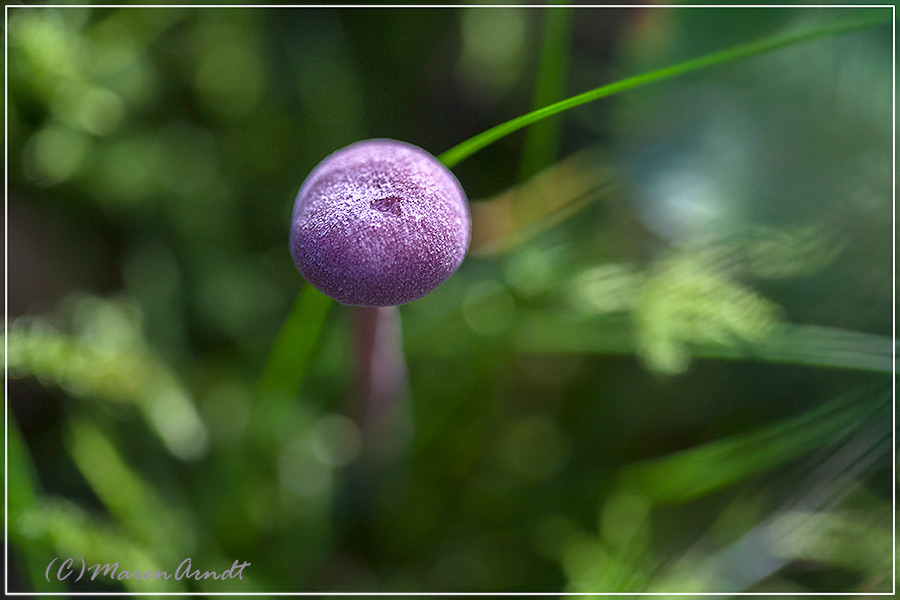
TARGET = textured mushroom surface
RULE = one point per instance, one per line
(379, 223)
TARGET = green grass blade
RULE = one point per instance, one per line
(807, 345)
(292, 351)
(542, 141)
(21, 477)
(461, 151)
(698, 471)
(23, 494)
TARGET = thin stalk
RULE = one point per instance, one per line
(462, 151)
(381, 411)
(382, 387)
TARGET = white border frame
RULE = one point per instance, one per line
(6, 413)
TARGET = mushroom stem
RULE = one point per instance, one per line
(382, 388)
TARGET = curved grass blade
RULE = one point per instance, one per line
(461, 151)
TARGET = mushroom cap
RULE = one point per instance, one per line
(379, 223)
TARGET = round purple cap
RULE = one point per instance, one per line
(379, 223)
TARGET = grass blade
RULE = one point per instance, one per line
(691, 473)
(461, 151)
(24, 488)
(290, 355)
(808, 345)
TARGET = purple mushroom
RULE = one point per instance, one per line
(379, 223)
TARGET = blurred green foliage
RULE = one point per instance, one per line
(664, 366)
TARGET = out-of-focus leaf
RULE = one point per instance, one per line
(70, 532)
(107, 358)
(683, 301)
(146, 524)
(554, 195)
(137, 507)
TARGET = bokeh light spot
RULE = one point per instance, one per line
(54, 154)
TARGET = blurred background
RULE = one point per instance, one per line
(665, 365)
